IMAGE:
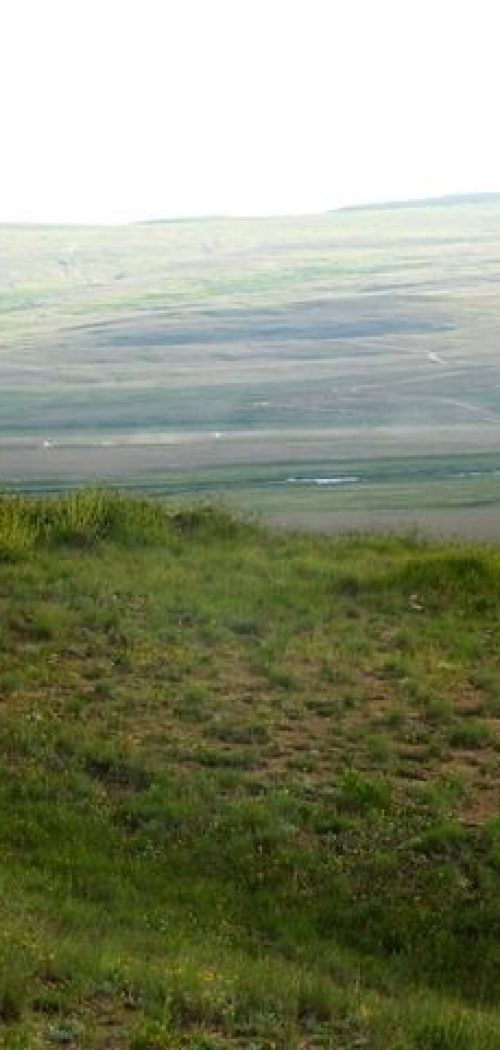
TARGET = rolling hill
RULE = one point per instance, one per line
(141, 352)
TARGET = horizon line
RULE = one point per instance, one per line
(446, 199)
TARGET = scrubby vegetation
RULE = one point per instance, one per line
(249, 783)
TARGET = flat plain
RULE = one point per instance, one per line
(270, 348)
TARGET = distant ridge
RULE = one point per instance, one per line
(445, 201)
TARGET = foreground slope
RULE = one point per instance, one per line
(249, 784)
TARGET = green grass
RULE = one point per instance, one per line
(248, 785)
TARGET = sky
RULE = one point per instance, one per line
(122, 110)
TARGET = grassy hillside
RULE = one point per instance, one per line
(249, 784)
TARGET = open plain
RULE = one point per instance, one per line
(193, 351)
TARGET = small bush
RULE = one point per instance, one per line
(152, 1035)
(440, 577)
(379, 748)
(86, 517)
(470, 735)
(438, 711)
(18, 535)
(445, 837)
(205, 519)
(359, 793)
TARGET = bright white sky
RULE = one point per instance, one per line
(117, 110)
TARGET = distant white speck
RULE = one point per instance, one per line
(322, 481)
(217, 434)
(48, 444)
